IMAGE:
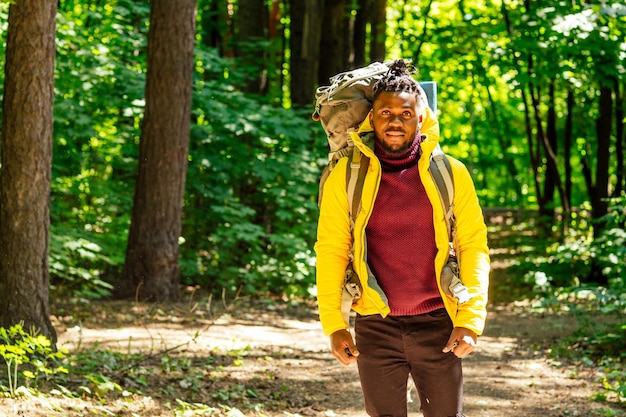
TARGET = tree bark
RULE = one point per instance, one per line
(332, 48)
(25, 173)
(306, 33)
(151, 271)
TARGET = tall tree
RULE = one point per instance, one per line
(379, 30)
(332, 45)
(304, 43)
(216, 25)
(252, 22)
(26, 165)
(151, 271)
(620, 136)
(359, 39)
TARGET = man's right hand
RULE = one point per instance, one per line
(343, 347)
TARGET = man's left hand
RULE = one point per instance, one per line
(462, 341)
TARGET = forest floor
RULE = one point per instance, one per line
(271, 359)
(268, 357)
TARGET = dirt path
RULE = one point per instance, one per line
(284, 359)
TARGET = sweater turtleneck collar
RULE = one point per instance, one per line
(398, 162)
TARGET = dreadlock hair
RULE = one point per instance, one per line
(397, 79)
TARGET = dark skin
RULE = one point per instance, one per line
(396, 119)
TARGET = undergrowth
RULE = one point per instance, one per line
(585, 277)
(193, 386)
(103, 377)
(157, 375)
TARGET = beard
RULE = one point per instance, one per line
(395, 148)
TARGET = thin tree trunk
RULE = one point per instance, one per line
(503, 141)
(27, 120)
(532, 151)
(567, 146)
(359, 39)
(251, 29)
(306, 33)
(348, 36)
(151, 271)
(332, 48)
(379, 31)
(217, 26)
(550, 139)
(599, 205)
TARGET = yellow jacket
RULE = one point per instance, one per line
(334, 239)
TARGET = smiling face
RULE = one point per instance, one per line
(395, 120)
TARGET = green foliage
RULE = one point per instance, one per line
(610, 247)
(580, 257)
(78, 265)
(253, 167)
(250, 206)
(29, 358)
(489, 59)
(600, 310)
(98, 105)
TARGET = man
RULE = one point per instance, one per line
(406, 324)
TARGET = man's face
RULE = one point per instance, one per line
(395, 120)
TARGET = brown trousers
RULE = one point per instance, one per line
(391, 348)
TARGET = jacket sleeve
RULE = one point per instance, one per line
(473, 250)
(332, 248)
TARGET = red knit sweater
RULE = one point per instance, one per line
(401, 236)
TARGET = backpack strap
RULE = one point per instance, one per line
(355, 178)
(441, 172)
(442, 175)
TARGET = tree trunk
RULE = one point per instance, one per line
(504, 141)
(216, 26)
(379, 31)
(550, 140)
(252, 17)
(604, 124)
(151, 271)
(306, 33)
(567, 146)
(620, 143)
(359, 39)
(26, 166)
(348, 36)
(332, 48)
